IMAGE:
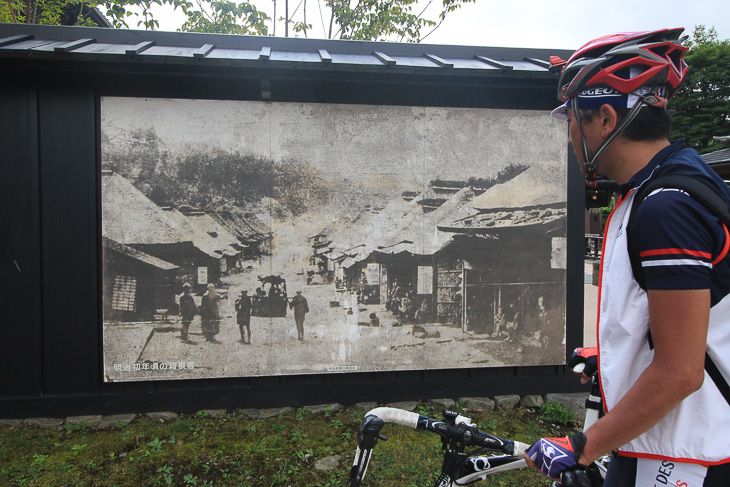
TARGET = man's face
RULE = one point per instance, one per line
(588, 130)
(574, 138)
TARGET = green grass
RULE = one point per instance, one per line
(231, 450)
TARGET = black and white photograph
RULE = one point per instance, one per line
(247, 238)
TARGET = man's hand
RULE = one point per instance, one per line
(588, 357)
(552, 456)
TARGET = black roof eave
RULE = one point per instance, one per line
(531, 61)
(230, 41)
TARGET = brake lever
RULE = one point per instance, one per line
(367, 436)
(369, 432)
(575, 478)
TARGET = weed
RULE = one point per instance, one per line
(424, 410)
(276, 427)
(166, 474)
(284, 473)
(156, 445)
(190, 479)
(302, 414)
(39, 461)
(303, 455)
(76, 449)
(258, 446)
(70, 427)
(297, 436)
(557, 413)
(489, 425)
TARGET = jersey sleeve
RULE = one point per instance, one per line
(678, 241)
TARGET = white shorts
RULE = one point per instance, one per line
(643, 472)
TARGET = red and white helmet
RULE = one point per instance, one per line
(626, 70)
(625, 62)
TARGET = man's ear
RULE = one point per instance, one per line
(609, 119)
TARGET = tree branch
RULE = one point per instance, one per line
(12, 11)
(417, 18)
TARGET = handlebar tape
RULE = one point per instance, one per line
(520, 448)
(396, 416)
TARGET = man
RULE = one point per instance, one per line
(209, 314)
(301, 308)
(188, 309)
(243, 317)
(667, 422)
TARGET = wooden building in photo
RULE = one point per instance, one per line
(162, 232)
(139, 286)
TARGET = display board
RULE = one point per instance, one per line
(326, 238)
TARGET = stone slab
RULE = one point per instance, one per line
(443, 403)
(109, 422)
(531, 401)
(477, 403)
(48, 423)
(89, 421)
(506, 402)
(323, 408)
(265, 413)
(162, 416)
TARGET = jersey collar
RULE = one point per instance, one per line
(646, 172)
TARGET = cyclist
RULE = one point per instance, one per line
(667, 422)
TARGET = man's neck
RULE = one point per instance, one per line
(627, 157)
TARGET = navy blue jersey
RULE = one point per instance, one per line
(682, 245)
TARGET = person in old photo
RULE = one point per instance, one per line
(188, 310)
(243, 316)
(210, 314)
(301, 308)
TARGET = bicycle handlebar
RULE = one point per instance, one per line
(454, 427)
(464, 427)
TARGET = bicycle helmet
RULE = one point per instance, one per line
(624, 70)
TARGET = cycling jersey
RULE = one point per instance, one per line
(681, 247)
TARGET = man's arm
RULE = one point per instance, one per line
(678, 321)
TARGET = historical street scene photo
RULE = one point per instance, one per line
(249, 239)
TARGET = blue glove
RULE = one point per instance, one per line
(553, 455)
(588, 357)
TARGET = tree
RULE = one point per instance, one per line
(701, 109)
(348, 19)
(214, 16)
(55, 12)
(381, 19)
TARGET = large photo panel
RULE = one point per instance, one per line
(256, 238)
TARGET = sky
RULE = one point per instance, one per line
(567, 24)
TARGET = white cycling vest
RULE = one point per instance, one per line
(698, 430)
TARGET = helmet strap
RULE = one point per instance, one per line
(589, 164)
(592, 159)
